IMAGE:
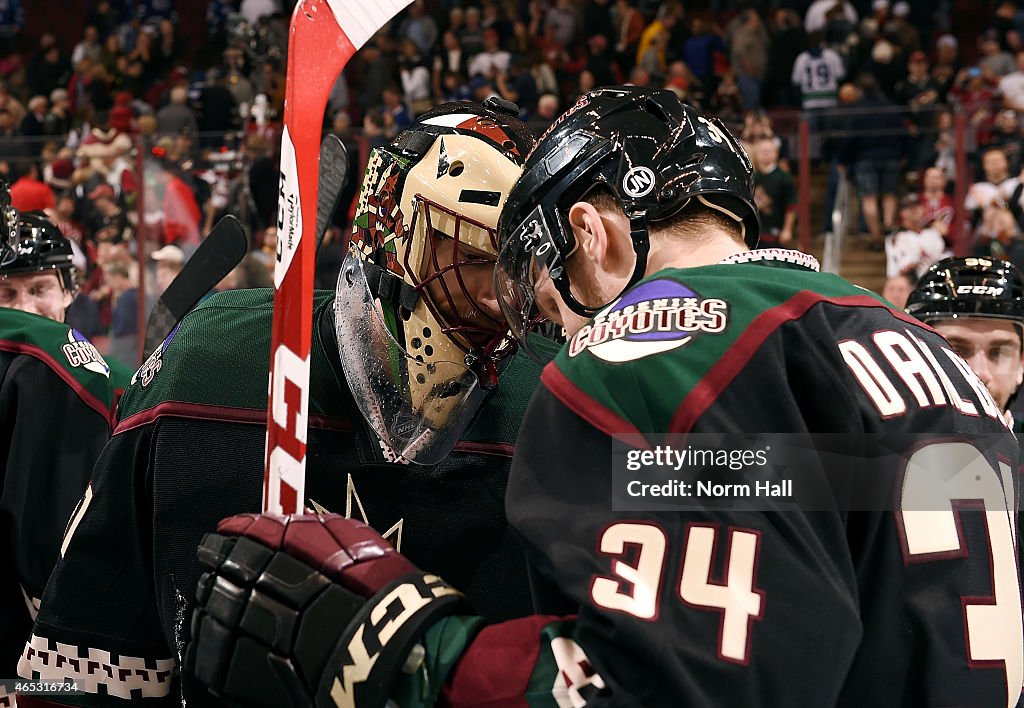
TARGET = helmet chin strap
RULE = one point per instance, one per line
(641, 247)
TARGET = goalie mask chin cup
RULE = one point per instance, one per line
(420, 334)
(652, 152)
(30, 243)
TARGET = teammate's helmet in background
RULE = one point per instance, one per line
(968, 287)
(32, 244)
(654, 153)
(416, 343)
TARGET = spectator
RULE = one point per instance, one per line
(1007, 137)
(33, 125)
(375, 71)
(471, 36)
(994, 62)
(58, 119)
(653, 59)
(29, 193)
(920, 94)
(814, 20)
(936, 203)
(901, 30)
(597, 21)
(97, 91)
(518, 85)
(169, 262)
(48, 69)
(703, 52)
(259, 264)
(89, 46)
(668, 15)
(994, 191)
(449, 57)
(774, 194)
(11, 103)
(875, 149)
(912, 249)
(106, 221)
(111, 53)
(218, 111)
(177, 117)
(547, 109)
(1011, 86)
(817, 72)
(629, 25)
(415, 78)
(947, 63)
(167, 47)
(492, 60)
(561, 17)
(394, 106)
(973, 93)
(787, 42)
(119, 278)
(748, 46)
(374, 129)
(897, 289)
(58, 173)
(420, 28)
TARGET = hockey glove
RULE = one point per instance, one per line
(308, 610)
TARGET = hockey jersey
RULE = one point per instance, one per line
(188, 451)
(56, 399)
(776, 605)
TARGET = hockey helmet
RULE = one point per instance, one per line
(32, 244)
(653, 152)
(968, 287)
(420, 334)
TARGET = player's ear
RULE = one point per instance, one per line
(589, 229)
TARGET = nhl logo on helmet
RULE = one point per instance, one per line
(652, 318)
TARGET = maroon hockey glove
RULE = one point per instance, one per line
(307, 610)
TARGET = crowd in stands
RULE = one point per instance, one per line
(127, 117)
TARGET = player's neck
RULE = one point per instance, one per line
(674, 253)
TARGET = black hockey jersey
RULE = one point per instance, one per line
(56, 396)
(188, 451)
(777, 605)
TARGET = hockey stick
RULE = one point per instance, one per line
(221, 251)
(323, 36)
(333, 171)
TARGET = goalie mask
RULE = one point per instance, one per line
(420, 334)
(652, 152)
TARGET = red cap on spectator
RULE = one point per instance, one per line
(102, 190)
(63, 169)
(918, 56)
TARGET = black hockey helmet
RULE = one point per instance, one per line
(653, 152)
(968, 287)
(32, 244)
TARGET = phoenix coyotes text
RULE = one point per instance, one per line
(668, 456)
(688, 314)
(710, 490)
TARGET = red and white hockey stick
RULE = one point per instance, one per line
(323, 36)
